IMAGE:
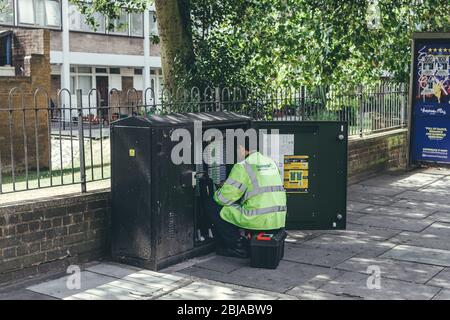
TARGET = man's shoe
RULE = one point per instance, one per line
(240, 253)
(240, 250)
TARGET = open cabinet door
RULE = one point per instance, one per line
(312, 157)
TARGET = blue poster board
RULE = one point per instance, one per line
(430, 105)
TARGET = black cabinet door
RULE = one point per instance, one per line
(173, 194)
(312, 157)
(131, 200)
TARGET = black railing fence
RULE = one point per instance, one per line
(50, 141)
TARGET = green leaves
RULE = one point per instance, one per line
(267, 43)
(272, 42)
(110, 9)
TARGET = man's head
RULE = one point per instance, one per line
(242, 151)
(245, 149)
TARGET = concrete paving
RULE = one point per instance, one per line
(396, 247)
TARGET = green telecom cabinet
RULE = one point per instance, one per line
(158, 218)
(313, 162)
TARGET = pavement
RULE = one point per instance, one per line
(396, 247)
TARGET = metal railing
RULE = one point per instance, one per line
(47, 142)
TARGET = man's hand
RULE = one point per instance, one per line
(219, 185)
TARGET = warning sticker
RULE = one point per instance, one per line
(296, 171)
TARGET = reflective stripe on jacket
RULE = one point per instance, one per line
(253, 196)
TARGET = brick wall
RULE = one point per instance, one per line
(48, 235)
(375, 153)
(31, 58)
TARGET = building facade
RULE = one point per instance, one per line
(84, 58)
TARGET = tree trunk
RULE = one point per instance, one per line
(177, 54)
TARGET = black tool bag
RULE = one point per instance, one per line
(267, 249)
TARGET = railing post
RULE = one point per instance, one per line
(404, 98)
(217, 98)
(361, 110)
(81, 140)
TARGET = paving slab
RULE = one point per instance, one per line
(397, 223)
(112, 281)
(439, 188)
(115, 290)
(204, 291)
(434, 236)
(354, 284)
(436, 170)
(369, 232)
(384, 191)
(350, 243)
(353, 216)
(436, 257)
(301, 236)
(315, 256)
(440, 217)
(223, 264)
(398, 212)
(154, 280)
(371, 198)
(392, 269)
(287, 276)
(356, 206)
(98, 288)
(425, 197)
(305, 294)
(441, 280)
(24, 294)
(421, 205)
(442, 295)
(58, 288)
(412, 180)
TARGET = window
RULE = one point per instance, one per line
(53, 13)
(72, 84)
(85, 83)
(137, 24)
(84, 70)
(121, 24)
(5, 48)
(153, 24)
(101, 70)
(26, 11)
(42, 13)
(138, 71)
(77, 21)
(7, 14)
(114, 70)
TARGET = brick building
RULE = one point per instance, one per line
(30, 63)
(83, 58)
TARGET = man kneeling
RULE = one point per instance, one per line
(252, 198)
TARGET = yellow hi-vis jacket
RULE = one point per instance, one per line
(253, 196)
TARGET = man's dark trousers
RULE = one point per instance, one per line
(225, 233)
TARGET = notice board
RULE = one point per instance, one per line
(430, 99)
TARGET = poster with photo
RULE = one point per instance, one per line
(430, 105)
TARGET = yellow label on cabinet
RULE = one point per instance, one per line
(132, 153)
(296, 171)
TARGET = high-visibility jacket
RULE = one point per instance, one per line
(253, 196)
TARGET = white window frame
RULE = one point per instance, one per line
(102, 30)
(35, 24)
(130, 25)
